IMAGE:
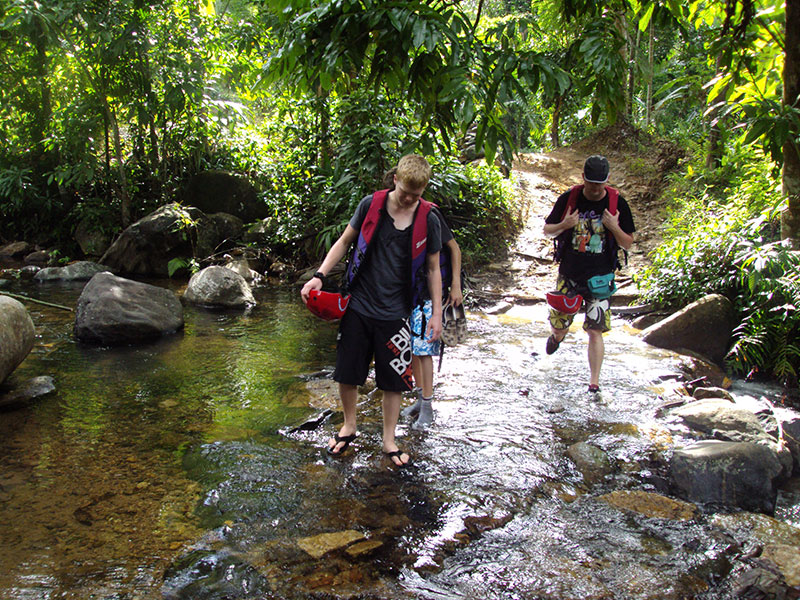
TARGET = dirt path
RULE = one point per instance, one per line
(638, 166)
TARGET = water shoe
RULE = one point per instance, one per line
(552, 345)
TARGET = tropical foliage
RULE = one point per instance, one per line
(108, 107)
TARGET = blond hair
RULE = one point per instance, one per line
(414, 171)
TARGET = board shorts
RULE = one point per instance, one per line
(420, 345)
(363, 338)
(598, 312)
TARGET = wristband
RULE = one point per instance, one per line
(319, 276)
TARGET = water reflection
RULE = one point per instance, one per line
(160, 470)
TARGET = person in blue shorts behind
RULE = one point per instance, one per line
(425, 349)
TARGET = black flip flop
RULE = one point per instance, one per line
(338, 439)
(398, 454)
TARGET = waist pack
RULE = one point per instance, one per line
(565, 303)
(601, 286)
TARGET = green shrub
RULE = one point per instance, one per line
(721, 236)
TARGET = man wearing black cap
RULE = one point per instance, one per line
(590, 223)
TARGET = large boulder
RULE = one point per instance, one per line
(703, 327)
(112, 310)
(16, 335)
(172, 231)
(83, 270)
(219, 287)
(733, 474)
(220, 191)
(147, 246)
(217, 232)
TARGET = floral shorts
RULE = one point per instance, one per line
(598, 312)
(421, 346)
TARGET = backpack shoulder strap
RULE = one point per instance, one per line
(572, 201)
(373, 214)
(613, 199)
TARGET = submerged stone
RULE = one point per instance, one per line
(319, 545)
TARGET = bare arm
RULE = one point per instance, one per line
(434, 329)
(611, 222)
(335, 254)
(456, 294)
(569, 221)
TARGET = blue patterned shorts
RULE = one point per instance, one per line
(420, 346)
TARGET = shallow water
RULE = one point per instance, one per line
(168, 471)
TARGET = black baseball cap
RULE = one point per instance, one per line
(595, 169)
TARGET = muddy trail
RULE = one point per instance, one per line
(639, 165)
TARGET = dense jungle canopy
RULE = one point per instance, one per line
(108, 108)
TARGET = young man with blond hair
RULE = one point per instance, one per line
(388, 229)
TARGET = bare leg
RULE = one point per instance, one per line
(596, 353)
(348, 394)
(559, 334)
(391, 412)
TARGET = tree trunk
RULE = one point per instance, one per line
(649, 102)
(790, 218)
(554, 139)
(124, 197)
(634, 56)
(715, 145)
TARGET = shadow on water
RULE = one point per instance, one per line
(167, 471)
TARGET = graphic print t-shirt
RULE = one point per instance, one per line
(589, 250)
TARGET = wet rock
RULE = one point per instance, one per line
(319, 545)
(790, 426)
(28, 391)
(16, 335)
(650, 504)
(312, 423)
(712, 392)
(723, 418)
(646, 321)
(786, 559)
(591, 461)
(499, 308)
(28, 272)
(39, 257)
(363, 548)
(16, 249)
(112, 310)
(242, 267)
(737, 474)
(758, 529)
(83, 270)
(208, 575)
(731, 422)
(705, 327)
(760, 583)
(697, 368)
(219, 287)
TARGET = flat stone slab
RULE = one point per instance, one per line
(319, 545)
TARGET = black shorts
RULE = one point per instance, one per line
(360, 339)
